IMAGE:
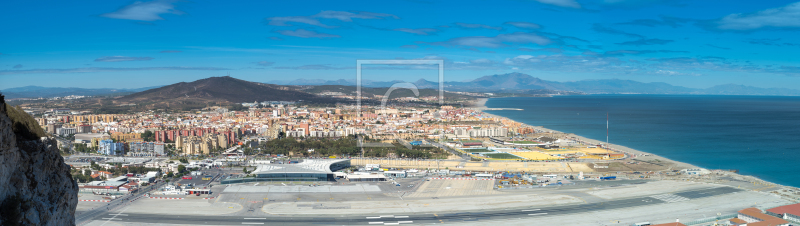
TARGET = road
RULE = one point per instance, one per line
(445, 147)
(418, 218)
(65, 142)
(101, 211)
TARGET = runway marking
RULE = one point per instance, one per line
(534, 214)
(252, 223)
(401, 217)
(376, 222)
(117, 214)
(530, 210)
(255, 218)
(111, 219)
(670, 198)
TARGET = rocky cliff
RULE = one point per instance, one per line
(36, 187)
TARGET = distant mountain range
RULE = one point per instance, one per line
(216, 89)
(502, 83)
(523, 83)
(38, 91)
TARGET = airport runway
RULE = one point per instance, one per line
(417, 218)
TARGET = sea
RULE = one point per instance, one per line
(757, 135)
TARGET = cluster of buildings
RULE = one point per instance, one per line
(119, 185)
(215, 128)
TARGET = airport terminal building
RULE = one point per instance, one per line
(308, 170)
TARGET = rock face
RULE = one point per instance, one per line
(36, 187)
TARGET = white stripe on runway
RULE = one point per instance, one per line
(117, 214)
(401, 217)
(373, 217)
(534, 214)
(375, 222)
(255, 218)
(252, 223)
(405, 222)
(530, 210)
(111, 219)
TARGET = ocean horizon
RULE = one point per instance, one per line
(757, 135)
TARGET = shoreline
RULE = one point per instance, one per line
(480, 105)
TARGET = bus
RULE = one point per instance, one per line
(207, 177)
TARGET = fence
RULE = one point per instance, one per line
(112, 193)
(712, 219)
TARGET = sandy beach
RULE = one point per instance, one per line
(480, 105)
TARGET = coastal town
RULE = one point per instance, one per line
(182, 155)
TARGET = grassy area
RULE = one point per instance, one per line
(476, 150)
(23, 125)
(524, 142)
(501, 156)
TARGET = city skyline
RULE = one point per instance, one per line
(124, 44)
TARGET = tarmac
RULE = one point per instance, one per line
(587, 203)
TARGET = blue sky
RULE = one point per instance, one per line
(132, 44)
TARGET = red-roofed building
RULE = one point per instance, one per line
(105, 174)
(737, 221)
(787, 212)
(754, 217)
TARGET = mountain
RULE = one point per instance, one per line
(38, 91)
(511, 81)
(732, 89)
(623, 86)
(523, 83)
(216, 89)
(373, 91)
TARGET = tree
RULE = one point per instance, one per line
(244, 169)
(181, 168)
(170, 175)
(87, 172)
(148, 136)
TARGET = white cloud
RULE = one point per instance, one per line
(348, 16)
(303, 33)
(315, 67)
(482, 61)
(783, 17)
(121, 58)
(335, 15)
(562, 3)
(523, 25)
(497, 41)
(418, 31)
(105, 69)
(466, 25)
(264, 63)
(144, 11)
(282, 21)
